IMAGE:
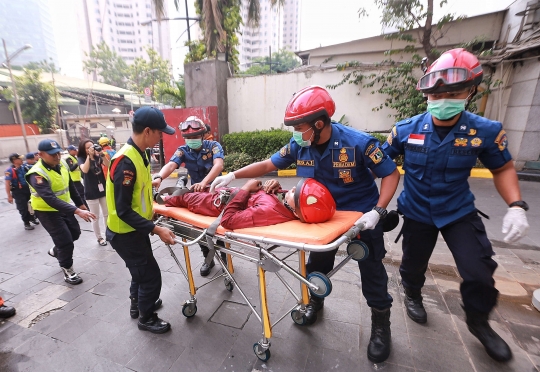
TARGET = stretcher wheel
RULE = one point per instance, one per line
(262, 354)
(321, 281)
(229, 285)
(189, 310)
(358, 250)
(298, 317)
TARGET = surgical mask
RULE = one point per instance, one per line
(194, 143)
(444, 109)
(298, 138)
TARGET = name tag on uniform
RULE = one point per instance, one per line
(100, 187)
(416, 139)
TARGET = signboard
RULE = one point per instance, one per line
(147, 92)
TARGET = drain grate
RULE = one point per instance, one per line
(231, 314)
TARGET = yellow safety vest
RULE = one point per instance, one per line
(76, 174)
(142, 202)
(59, 184)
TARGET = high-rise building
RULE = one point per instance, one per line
(279, 28)
(28, 22)
(126, 26)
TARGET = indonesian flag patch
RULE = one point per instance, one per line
(416, 139)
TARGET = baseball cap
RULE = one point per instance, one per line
(50, 146)
(14, 156)
(71, 147)
(30, 155)
(152, 118)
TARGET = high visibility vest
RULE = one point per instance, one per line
(59, 184)
(76, 174)
(142, 202)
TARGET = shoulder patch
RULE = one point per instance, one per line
(39, 180)
(215, 150)
(501, 140)
(369, 148)
(284, 151)
(376, 156)
(127, 180)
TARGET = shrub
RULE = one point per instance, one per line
(258, 144)
(235, 161)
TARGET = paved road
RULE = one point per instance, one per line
(87, 327)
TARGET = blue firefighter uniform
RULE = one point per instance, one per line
(198, 162)
(436, 197)
(345, 167)
(19, 190)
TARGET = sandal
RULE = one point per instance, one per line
(102, 241)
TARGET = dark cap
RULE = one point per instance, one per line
(71, 147)
(30, 155)
(50, 146)
(14, 156)
(152, 118)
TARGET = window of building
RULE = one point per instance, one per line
(118, 124)
(93, 125)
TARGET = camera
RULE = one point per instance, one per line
(97, 148)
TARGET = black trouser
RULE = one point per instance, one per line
(372, 271)
(467, 240)
(64, 230)
(80, 189)
(21, 197)
(136, 251)
(205, 249)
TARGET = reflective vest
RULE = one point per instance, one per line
(142, 202)
(59, 184)
(76, 174)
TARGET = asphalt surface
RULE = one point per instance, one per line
(59, 327)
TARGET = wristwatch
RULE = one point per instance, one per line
(382, 212)
(519, 203)
(158, 176)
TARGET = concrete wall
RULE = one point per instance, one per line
(10, 145)
(206, 85)
(259, 102)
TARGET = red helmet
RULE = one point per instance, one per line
(308, 104)
(192, 127)
(454, 70)
(313, 201)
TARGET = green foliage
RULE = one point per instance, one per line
(107, 64)
(235, 161)
(282, 61)
(149, 73)
(197, 51)
(342, 121)
(43, 66)
(174, 95)
(36, 99)
(258, 144)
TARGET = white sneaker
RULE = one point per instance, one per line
(51, 252)
(71, 277)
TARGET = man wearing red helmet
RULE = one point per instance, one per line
(344, 160)
(254, 204)
(440, 148)
(203, 160)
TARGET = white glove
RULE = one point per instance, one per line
(514, 225)
(222, 181)
(370, 220)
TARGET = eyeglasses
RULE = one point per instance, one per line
(194, 124)
(449, 77)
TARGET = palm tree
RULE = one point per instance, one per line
(175, 95)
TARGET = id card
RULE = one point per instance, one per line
(100, 187)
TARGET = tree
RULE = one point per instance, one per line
(42, 65)
(107, 64)
(143, 73)
(174, 95)
(413, 19)
(36, 98)
(282, 61)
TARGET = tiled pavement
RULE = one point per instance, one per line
(87, 328)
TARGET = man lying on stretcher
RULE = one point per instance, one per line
(255, 204)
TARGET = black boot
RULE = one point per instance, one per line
(6, 311)
(205, 268)
(134, 308)
(153, 324)
(414, 306)
(495, 346)
(315, 304)
(379, 342)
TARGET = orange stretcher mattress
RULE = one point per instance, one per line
(292, 231)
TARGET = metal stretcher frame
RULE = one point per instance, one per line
(261, 249)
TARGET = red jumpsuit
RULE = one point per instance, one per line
(244, 210)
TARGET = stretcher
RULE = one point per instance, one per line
(257, 245)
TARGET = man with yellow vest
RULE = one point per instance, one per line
(51, 189)
(75, 172)
(129, 200)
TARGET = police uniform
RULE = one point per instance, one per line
(76, 176)
(198, 162)
(129, 223)
(436, 197)
(19, 190)
(345, 169)
(51, 190)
